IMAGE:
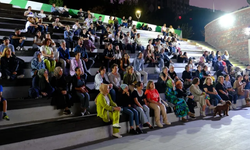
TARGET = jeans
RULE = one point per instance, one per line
(214, 99)
(31, 29)
(145, 76)
(133, 114)
(112, 94)
(161, 63)
(84, 99)
(16, 43)
(144, 113)
(43, 29)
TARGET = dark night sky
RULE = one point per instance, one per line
(224, 5)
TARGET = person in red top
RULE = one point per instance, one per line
(153, 97)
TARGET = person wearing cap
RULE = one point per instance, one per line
(6, 43)
(17, 40)
(107, 109)
(180, 107)
(3, 102)
(37, 63)
(126, 102)
(139, 68)
(10, 67)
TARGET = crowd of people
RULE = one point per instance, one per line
(119, 85)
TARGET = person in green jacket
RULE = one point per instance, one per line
(107, 109)
(130, 78)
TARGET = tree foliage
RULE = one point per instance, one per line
(57, 2)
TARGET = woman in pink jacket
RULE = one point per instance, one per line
(77, 62)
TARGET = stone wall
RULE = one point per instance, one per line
(233, 38)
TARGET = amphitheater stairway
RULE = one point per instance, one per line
(35, 123)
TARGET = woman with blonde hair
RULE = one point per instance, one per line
(107, 109)
(10, 66)
(154, 100)
(130, 78)
(239, 88)
(211, 91)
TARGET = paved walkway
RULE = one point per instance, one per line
(227, 133)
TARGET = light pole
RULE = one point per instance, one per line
(138, 14)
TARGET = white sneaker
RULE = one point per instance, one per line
(211, 107)
(234, 106)
(20, 76)
(117, 135)
(203, 114)
(222, 102)
(116, 126)
(18, 48)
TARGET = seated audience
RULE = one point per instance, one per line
(223, 93)
(68, 37)
(88, 44)
(99, 24)
(64, 56)
(202, 62)
(57, 24)
(28, 12)
(182, 58)
(219, 67)
(159, 58)
(130, 21)
(171, 31)
(80, 91)
(124, 22)
(61, 97)
(164, 30)
(80, 14)
(115, 78)
(246, 80)
(117, 54)
(38, 40)
(172, 73)
(6, 44)
(191, 65)
(149, 55)
(54, 9)
(41, 14)
(141, 104)
(212, 58)
(107, 109)
(199, 74)
(126, 102)
(10, 67)
(187, 77)
(109, 56)
(3, 102)
(239, 88)
(92, 33)
(139, 68)
(124, 63)
(48, 55)
(102, 78)
(89, 20)
(37, 63)
(182, 93)
(17, 40)
(130, 78)
(161, 83)
(206, 56)
(230, 90)
(77, 63)
(133, 32)
(200, 96)
(212, 92)
(138, 44)
(42, 27)
(44, 84)
(180, 107)
(77, 28)
(86, 60)
(31, 25)
(154, 99)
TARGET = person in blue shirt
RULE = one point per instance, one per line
(37, 63)
(3, 102)
(54, 10)
(68, 37)
(6, 43)
(64, 56)
(139, 68)
(86, 61)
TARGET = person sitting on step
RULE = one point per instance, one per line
(76, 62)
(10, 66)
(6, 43)
(130, 78)
(154, 99)
(3, 102)
(48, 55)
(139, 68)
(17, 40)
(64, 56)
(126, 102)
(107, 109)
(80, 91)
(44, 84)
(61, 97)
(37, 63)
